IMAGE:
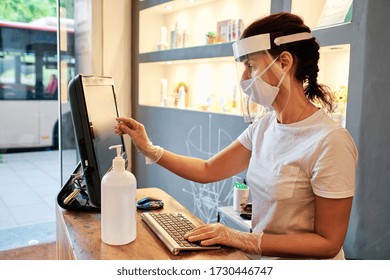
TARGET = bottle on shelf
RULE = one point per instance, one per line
(163, 44)
(179, 37)
(182, 97)
(163, 92)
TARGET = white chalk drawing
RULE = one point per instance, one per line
(207, 197)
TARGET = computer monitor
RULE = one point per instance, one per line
(94, 111)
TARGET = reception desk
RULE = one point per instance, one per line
(79, 238)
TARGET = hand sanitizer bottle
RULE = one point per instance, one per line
(118, 203)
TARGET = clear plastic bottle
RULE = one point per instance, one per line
(181, 97)
(118, 203)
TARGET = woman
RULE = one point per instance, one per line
(300, 164)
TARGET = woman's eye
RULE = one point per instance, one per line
(250, 67)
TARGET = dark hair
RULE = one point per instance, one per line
(306, 53)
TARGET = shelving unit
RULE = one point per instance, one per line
(208, 89)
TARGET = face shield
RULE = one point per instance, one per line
(259, 75)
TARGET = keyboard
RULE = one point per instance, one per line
(171, 228)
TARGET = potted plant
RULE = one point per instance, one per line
(210, 38)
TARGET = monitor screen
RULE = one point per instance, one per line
(94, 112)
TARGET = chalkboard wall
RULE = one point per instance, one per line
(192, 134)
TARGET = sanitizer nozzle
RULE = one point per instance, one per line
(118, 149)
(118, 163)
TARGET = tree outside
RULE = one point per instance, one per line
(27, 11)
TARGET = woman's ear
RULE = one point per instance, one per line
(286, 60)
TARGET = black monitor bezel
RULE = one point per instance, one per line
(84, 134)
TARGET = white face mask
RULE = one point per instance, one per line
(260, 91)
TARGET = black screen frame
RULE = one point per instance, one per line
(84, 132)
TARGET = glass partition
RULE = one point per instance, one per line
(67, 69)
(29, 122)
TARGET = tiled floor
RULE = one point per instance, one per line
(29, 183)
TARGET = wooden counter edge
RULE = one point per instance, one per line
(66, 251)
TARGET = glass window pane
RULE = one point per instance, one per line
(29, 156)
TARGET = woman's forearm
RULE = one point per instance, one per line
(228, 162)
(302, 245)
(193, 169)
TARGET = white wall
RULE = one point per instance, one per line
(116, 53)
(103, 45)
(88, 36)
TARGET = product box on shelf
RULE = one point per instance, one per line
(229, 30)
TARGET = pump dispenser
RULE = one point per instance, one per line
(118, 163)
(118, 203)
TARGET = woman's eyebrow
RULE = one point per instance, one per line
(246, 62)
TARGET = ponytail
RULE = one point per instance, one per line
(318, 93)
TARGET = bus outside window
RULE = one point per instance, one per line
(29, 86)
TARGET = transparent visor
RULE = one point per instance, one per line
(259, 74)
(248, 76)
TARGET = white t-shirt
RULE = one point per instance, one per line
(292, 162)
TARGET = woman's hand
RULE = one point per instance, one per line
(139, 138)
(135, 130)
(212, 234)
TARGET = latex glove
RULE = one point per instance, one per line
(139, 138)
(212, 234)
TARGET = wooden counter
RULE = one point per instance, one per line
(79, 237)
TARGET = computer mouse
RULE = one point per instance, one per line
(149, 203)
